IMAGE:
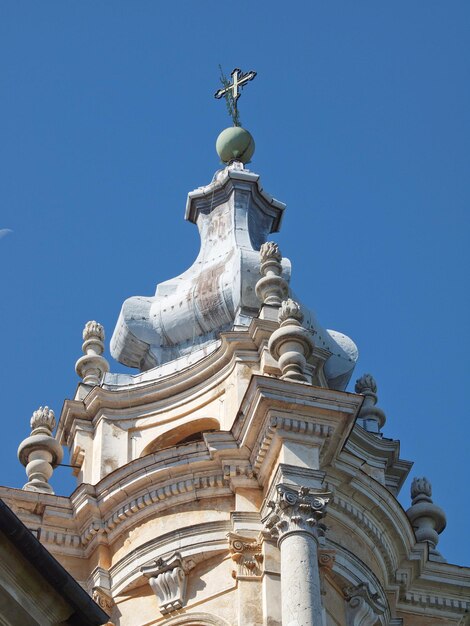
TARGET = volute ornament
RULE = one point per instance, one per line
(296, 511)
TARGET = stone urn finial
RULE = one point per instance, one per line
(92, 366)
(272, 288)
(40, 452)
(291, 344)
(370, 417)
(428, 519)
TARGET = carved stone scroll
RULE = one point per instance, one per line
(246, 553)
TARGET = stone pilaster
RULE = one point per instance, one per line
(247, 556)
(294, 521)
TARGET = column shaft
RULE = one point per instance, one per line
(300, 581)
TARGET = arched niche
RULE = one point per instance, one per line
(196, 619)
(184, 433)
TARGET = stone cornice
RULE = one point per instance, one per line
(425, 584)
(272, 409)
(195, 379)
(220, 190)
(384, 452)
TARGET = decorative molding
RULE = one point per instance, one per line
(196, 619)
(168, 491)
(293, 425)
(377, 535)
(168, 578)
(246, 553)
(364, 608)
(296, 511)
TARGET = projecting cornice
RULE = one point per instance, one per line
(134, 392)
(274, 410)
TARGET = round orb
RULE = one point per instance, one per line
(235, 144)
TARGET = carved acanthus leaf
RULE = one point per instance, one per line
(296, 510)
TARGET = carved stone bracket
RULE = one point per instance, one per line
(168, 578)
(103, 598)
(296, 511)
(364, 608)
(246, 553)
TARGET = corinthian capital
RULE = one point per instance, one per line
(296, 510)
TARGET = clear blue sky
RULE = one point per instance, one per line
(360, 116)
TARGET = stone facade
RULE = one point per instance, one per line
(233, 480)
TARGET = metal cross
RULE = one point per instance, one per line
(239, 81)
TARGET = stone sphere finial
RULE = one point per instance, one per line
(292, 344)
(40, 452)
(370, 417)
(428, 519)
(92, 366)
(43, 419)
(235, 144)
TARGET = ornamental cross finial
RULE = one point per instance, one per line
(231, 90)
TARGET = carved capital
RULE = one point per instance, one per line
(246, 553)
(167, 578)
(296, 511)
(364, 608)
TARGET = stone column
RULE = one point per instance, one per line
(294, 521)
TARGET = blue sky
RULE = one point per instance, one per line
(360, 116)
